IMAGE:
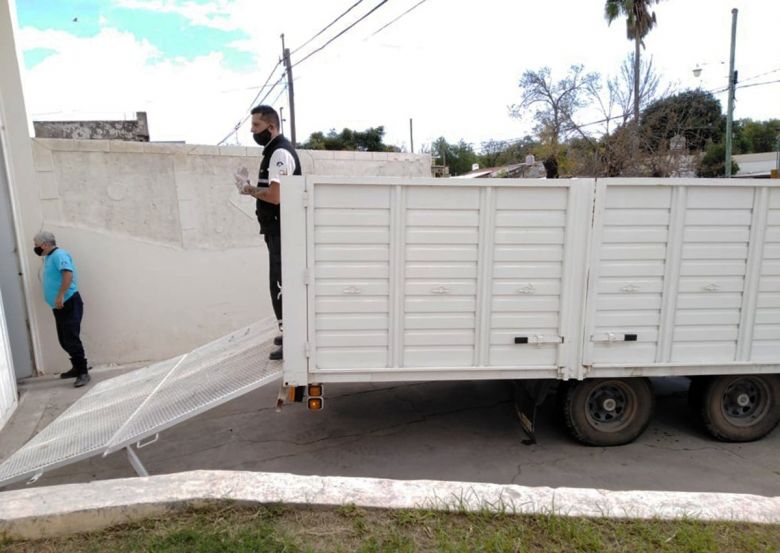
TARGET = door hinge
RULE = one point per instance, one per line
(307, 350)
(305, 198)
(307, 276)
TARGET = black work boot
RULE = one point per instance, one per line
(276, 354)
(82, 378)
(74, 371)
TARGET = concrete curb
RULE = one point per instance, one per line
(72, 508)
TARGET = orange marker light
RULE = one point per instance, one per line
(315, 403)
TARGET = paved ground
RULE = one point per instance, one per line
(463, 431)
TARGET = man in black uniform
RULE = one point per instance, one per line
(279, 158)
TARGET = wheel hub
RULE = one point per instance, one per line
(745, 401)
(611, 406)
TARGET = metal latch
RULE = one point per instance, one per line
(614, 337)
(538, 339)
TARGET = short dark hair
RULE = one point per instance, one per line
(268, 114)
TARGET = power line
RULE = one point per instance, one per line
(397, 18)
(252, 104)
(760, 75)
(758, 84)
(278, 95)
(310, 54)
(328, 26)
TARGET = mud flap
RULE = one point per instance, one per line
(529, 395)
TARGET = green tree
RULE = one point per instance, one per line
(517, 150)
(693, 114)
(369, 140)
(756, 136)
(713, 164)
(639, 22)
(458, 157)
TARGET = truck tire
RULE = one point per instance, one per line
(608, 411)
(741, 407)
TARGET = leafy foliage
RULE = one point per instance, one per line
(369, 140)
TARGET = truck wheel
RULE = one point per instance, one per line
(741, 408)
(608, 411)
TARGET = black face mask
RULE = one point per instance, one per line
(38, 251)
(262, 138)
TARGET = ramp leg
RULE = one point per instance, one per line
(136, 462)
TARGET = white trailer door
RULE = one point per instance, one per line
(419, 279)
(683, 276)
(7, 376)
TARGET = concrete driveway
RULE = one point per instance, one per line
(463, 431)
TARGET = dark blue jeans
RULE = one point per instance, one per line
(68, 321)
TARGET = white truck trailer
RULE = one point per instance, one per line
(585, 286)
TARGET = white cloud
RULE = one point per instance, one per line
(114, 73)
(217, 15)
(453, 69)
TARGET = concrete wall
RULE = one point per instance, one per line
(136, 130)
(168, 253)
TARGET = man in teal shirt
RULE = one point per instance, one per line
(60, 290)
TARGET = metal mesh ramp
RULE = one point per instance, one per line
(124, 410)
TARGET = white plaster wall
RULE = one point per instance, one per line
(168, 253)
(7, 376)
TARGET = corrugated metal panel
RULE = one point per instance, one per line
(352, 290)
(442, 254)
(687, 269)
(766, 334)
(627, 295)
(414, 274)
(712, 273)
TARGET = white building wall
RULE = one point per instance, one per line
(7, 378)
(168, 253)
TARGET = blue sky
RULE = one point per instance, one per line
(174, 35)
(195, 65)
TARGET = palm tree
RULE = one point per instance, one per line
(639, 22)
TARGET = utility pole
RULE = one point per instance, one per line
(411, 134)
(732, 86)
(290, 92)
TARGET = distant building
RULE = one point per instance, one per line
(756, 166)
(531, 169)
(134, 131)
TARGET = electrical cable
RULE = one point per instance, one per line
(310, 54)
(397, 18)
(248, 111)
(328, 26)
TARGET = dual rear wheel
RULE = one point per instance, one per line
(615, 411)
